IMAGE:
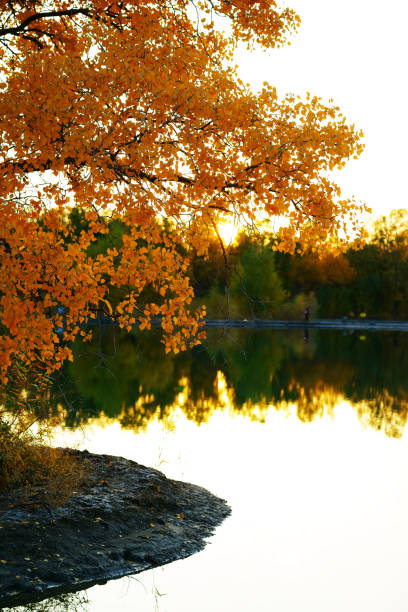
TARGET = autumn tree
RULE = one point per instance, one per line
(133, 111)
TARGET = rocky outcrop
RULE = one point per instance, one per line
(128, 518)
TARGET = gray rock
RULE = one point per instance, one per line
(128, 519)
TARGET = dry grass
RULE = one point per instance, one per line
(28, 464)
(36, 472)
(40, 474)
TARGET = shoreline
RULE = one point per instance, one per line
(343, 324)
(346, 324)
(128, 519)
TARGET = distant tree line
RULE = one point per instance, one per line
(368, 280)
(250, 278)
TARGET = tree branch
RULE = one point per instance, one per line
(38, 16)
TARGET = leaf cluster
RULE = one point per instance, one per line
(132, 111)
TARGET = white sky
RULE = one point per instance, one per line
(356, 52)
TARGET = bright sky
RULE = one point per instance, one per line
(356, 52)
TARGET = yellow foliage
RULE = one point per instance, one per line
(134, 111)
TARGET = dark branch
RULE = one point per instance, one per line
(22, 27)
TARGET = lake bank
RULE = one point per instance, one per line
(342, 324)
(128, 519)
(346, 324)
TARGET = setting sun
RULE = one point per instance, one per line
(228, 230)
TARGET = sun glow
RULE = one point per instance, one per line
(228, 230)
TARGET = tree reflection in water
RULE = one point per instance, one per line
(129, 378)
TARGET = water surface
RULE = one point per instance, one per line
(303, 435)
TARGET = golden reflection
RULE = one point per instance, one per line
(242, 372)
(199, 410)
(314, 402)
(384, 413)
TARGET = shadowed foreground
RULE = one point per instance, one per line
(130, 518)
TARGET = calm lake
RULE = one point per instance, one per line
(303, 435)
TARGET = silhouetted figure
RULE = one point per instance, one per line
(307, 313)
